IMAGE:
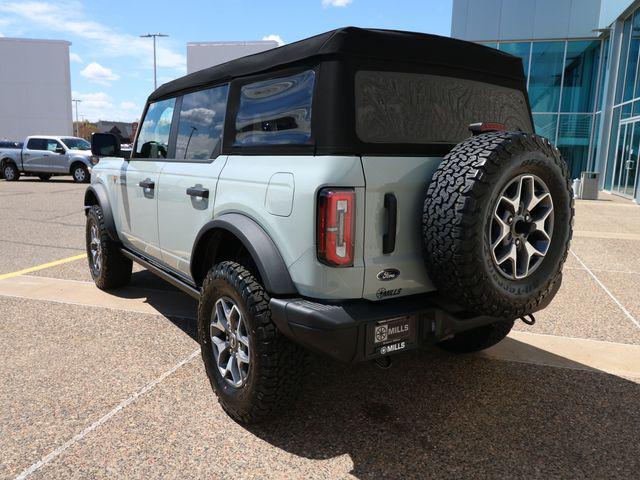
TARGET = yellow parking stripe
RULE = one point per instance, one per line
(42, 266)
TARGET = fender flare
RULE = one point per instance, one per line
(260, 246)
(99, 192)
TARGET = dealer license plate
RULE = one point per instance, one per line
(390, 336)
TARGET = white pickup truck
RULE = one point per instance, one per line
(44, 156)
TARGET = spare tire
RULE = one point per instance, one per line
(497, 222)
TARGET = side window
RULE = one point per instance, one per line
(51, 145)
(153, 139)
(276, 111)
(37, 144)
(201, 123)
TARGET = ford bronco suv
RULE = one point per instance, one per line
(359, 194)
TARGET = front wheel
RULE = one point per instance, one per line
(80, 174)
(109, 268)
(253, 369)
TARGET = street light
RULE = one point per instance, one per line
(154, 36)
(77, 124)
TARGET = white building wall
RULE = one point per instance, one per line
(35, 88)
(202, 55)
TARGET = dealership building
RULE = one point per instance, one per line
(581, 59)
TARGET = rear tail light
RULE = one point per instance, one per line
(336, 226)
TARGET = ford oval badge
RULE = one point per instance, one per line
(388, 274)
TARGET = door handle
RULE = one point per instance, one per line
(197, 191)
(389, 238)
(148, 183)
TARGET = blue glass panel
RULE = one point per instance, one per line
(603, 73)
(545, 125)
(519, 49)
(574, 133)
(632, 60)
(626, 33)
(546, 75)
(580, 76)
(489, 44)
(626, 111)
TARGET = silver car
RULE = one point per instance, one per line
(45, 156)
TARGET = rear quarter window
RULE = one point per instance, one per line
(275, 111)
(412, 108)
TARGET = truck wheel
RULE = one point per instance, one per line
(253, 369)
(477, 339)
(11, 172)
(109, 268)
(80, 173)
(45, 177)
(497, 223)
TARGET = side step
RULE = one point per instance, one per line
(167, 277)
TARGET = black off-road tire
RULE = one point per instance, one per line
(477, 339)
(14, 176)
(115, 269)
(277, 366)
(45, 177)
(457, 214)
(80, 173)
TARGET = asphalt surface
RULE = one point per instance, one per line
(94, 386)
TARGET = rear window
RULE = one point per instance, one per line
(276, 111)
(411, 108)
(37, 144)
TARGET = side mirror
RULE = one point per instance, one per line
(60, 150)
(105, 145)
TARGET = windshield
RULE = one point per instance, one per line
(76, 143)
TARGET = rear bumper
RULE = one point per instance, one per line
(344, 330)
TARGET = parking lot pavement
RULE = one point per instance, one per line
(94, 385)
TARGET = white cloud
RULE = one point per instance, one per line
(96, 106)
(99, 74)
(275, 38)
(67, 16)
(74, 57)
(336, 3)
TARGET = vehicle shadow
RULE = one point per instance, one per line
(435, 415)
(439, 415)
(61, 179)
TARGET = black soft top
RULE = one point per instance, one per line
(419, 49)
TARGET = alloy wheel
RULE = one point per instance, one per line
(95, 247)
(78, 174)
(230, 342)
(8, 173)
(521, 226)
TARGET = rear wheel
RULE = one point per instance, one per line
(80, 173)
(109, 268)
(253, 369)
(477, 339)
(10, 172)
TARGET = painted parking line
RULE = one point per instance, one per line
(607, 291)
(55, 263)
(131, 299)
(27, 472)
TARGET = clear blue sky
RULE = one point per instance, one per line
(111, 68)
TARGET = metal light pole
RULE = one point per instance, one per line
(154, 36)
(77, 124)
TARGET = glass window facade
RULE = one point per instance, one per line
(562, 80)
